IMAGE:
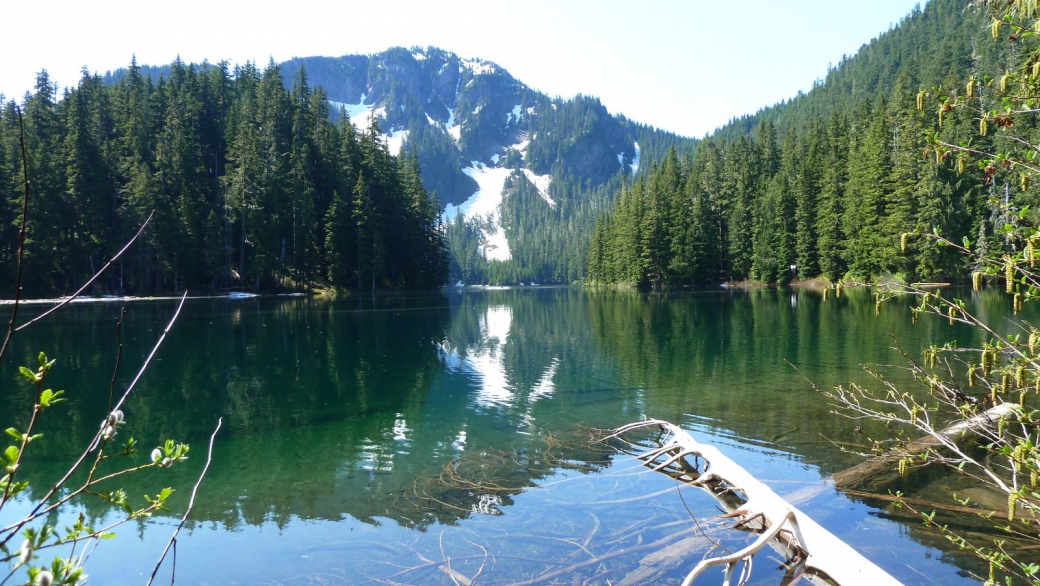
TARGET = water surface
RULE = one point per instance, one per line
(443, 438)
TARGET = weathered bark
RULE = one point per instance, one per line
(814, 553)
(881, 471)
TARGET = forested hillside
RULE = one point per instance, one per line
(828, 182)
(520, 176)
(252, 185)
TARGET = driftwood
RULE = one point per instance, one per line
(812, 552)
(881, 471)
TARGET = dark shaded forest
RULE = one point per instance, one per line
(252, 186)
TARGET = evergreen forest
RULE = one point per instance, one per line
(839, 182)
(252, 187)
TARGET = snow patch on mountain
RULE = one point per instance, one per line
(514, 115)
(418, 56)
(455, 132)
(478, 67)
(395, 140)
(484, 205)
(635, 162)
(365, 118)
(521, 147)
(542, 182)
(355, 111)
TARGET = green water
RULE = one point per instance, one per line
(390, 438)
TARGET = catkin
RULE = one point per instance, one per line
(1018, 304)
(976, 281)
(1023, 182)
(994, 29)
(1003, 82)
(983, 127)
(970, 89)
(971, 375)
(1009, 274)
(920, 100)
(1012, 502)
(1020, 376)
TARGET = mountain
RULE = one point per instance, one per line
(520, 177)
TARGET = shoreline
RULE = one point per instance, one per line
(128, 298)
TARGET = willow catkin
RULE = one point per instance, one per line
(904, 239)
(920, 100)
(972, 376)
(1005, 383)
(1034, 339)
(1023, 181)
(953, 314)
(994, 28)
(976, 281)
(1004, 81)
(970, 88)
(1009, 274)
(1012, 502)
(1020, 376)
(1018, 304)
(983, 127)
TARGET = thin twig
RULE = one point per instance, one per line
(90, 282)
(119, 356)
(191, 503)
(21, 235)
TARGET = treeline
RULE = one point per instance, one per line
(833, 199)
(826, 187)
(251, 184)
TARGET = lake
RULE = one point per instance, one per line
(445, 438)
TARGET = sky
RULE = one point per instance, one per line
(687, 66)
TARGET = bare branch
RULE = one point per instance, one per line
(191, 503)
(91, 280)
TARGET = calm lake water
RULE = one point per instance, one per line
(442, 438)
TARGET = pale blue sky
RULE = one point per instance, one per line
(683, 65)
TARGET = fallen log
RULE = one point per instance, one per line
(812, 552)
(881, 470)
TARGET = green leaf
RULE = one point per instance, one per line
(11, 453)
(17, 435)
(28, 374)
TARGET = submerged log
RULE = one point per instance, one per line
(812, 552)
(881, 471)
